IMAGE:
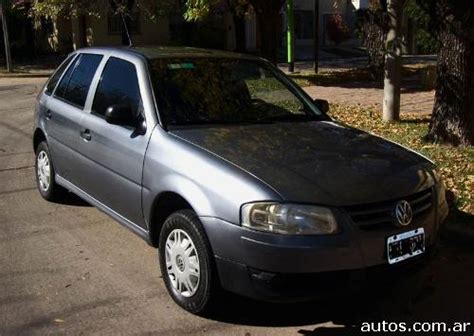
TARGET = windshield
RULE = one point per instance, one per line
(213, 91)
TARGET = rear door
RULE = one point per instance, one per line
(64, 111)
(113, 155)
(46, 114)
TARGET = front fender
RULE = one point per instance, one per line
(181, 186)
(211, 185)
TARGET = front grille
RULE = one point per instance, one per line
(379, 215)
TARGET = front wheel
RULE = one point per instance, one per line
(186, 262)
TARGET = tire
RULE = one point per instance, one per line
(46, 184)
(194, 293)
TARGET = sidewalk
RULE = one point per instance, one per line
(27, 73)
(42, 66)
(336, 63)
(370, 94)
(411, 102)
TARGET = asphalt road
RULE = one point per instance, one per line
(66, 268)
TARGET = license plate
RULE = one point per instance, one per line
(405, 245)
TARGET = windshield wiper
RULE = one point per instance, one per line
(212, 122)
(289, 117)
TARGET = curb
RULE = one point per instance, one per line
(26, 75)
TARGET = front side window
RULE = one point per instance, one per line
(75, 83)
(57, 75)
(213, 90)
(118, 86)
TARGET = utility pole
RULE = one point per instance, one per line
(316, 35)
(290, 35)
(6, 40)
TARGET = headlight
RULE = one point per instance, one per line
(290, 219)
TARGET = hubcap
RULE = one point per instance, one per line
(182, 263)
(43, 170)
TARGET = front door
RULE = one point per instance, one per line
(113, 154)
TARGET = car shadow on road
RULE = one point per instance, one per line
(72, 199)
(441, 292)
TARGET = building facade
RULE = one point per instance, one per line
(304, 24)
(106, 30)
(65, 34)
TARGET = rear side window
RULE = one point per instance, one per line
(75, 84)
(55, 78)
(118, 86)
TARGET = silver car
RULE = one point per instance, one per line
(234, 173)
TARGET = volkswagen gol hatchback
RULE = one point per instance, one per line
(234, 173)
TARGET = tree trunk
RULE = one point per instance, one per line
(393, 65)
(83, 30)
(452, 120)
(6, 40)
(268, 24)
(239, 24)
(238, 11)
(316, 35)
(29, 31)
(373, 23)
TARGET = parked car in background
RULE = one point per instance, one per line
(234, 173)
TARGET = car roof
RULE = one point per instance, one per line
(155, 52)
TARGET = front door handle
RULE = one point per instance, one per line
(86, 135)
(48, 114)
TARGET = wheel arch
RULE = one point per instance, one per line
(38, 137)
(164, 204)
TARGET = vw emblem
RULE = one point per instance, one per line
(403, 213)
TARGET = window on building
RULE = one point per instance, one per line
(115, 23)
(304, 24)
(75, 83)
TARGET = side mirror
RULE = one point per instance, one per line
(120, 115)
(322, 105)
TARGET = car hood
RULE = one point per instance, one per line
(317, 162)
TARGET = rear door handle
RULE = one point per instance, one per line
(48, 114)
(86, 135)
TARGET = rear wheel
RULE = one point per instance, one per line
(45, 174)
(186, 262)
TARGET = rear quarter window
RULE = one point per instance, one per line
(57, 75)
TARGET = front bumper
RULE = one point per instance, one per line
(298, 287)
(277, 267)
